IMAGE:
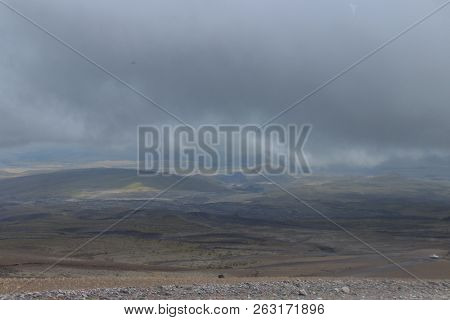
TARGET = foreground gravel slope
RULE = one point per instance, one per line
(287, 289)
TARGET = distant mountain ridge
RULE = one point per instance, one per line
(69, 182)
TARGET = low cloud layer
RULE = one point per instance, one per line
(224, 62)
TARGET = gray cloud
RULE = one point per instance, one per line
(226, 62)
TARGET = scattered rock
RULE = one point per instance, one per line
(287, 289)
(345, 290)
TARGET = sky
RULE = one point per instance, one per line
(232, 62)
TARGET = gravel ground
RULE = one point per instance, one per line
(287, 289)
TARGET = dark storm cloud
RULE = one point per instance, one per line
(228, 62)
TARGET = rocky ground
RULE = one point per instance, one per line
(286, 289)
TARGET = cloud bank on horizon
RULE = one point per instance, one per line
(212, 62)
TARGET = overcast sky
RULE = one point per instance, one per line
(233, 61)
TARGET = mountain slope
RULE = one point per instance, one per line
(69, 182)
